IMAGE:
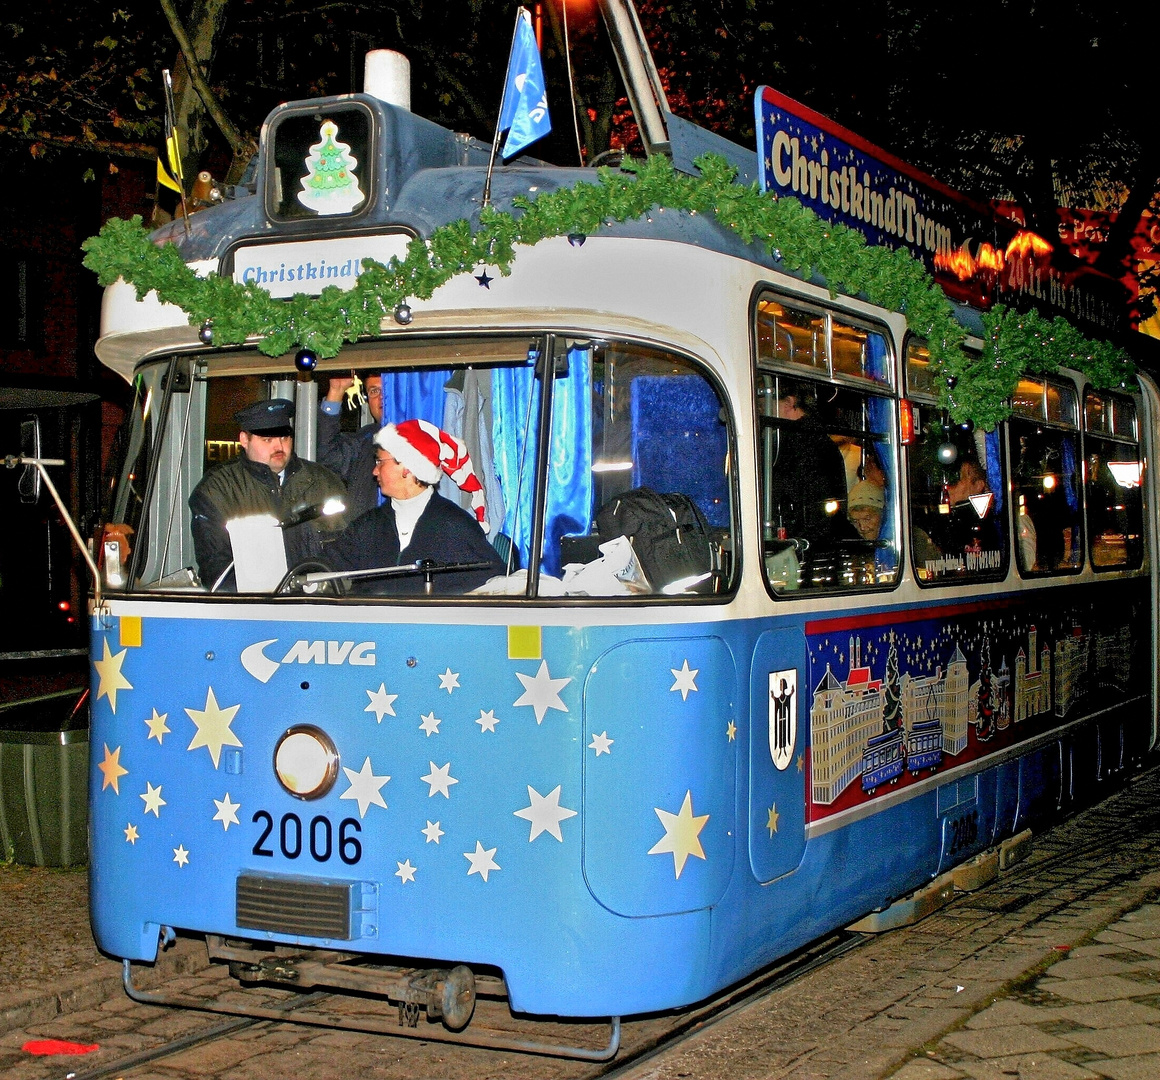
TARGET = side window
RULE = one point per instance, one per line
(1114, 472)
(957, 511)
(639, 478)
(826, 457)
(1046, 478)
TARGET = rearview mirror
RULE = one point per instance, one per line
(28, 485)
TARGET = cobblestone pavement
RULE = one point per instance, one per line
(1051, 972)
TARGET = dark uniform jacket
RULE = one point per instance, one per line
(242, 487)
(444, 533)
(352, 456)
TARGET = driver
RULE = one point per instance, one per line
(414, 521)
(267, 478)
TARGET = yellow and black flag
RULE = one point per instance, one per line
(169, 172)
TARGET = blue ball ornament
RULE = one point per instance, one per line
(306, 360)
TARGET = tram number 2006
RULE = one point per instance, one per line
(964, 832)
(317, 837)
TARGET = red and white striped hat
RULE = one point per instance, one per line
(428, 452)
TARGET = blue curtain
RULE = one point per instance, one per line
(880, 416)
(515, 408)
(995, 479)
(414, 395)
(515, 405)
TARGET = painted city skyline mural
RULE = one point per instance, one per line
(891, 705)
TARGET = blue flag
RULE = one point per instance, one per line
(524, 112)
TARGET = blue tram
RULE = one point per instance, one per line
(597, 757)
(924, 746)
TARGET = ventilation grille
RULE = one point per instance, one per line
(295, 907)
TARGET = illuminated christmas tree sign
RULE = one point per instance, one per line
(330, 185)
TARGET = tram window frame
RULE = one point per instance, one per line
(617, 404)
(282, 206)
(1111, 427)
(851, 564)
(929, 422)
(1045, 414)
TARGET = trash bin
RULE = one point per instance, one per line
(44, 768)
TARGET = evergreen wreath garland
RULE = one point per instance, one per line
(975, 387)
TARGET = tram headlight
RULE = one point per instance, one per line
(306, 761)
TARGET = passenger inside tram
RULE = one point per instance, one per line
(351, 454)
(808, 480)
(267, 482)
(965, 522)
(866, 502)
(414, 522)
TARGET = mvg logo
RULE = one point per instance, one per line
(258, 664)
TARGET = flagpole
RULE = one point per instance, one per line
(171, 125)
(502, 100)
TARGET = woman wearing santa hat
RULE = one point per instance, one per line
(414, 522)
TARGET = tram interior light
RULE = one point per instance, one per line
(611, 466)
(1126, 473)
(1049, 482)
(306, 762)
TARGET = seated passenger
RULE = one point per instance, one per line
(415, 522)
(808, 485)
(959, 528)
(267, 478)
(867, 499)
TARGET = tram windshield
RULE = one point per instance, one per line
(616, 483)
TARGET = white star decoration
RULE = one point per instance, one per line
(109, 672)
(681, 834)
(158, 729)
(180, 855)
(213, 727)
(440, 780)
(685, 680)
(541, 691)
(227, 812)
(545, 813)
(365, 788)
(482, 862)
(406, 871)
(487, 720)
(601, 743)
(381, 702)
(449, 680)
(430, 724)
(432, 832)
(153, 800)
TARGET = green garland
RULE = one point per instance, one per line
(976, 388)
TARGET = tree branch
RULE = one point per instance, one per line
(239, 144)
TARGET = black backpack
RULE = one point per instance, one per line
(668, 533)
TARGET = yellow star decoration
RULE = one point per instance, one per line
(113, 769)
(131, 835)
(771, 823)
(158, 729)
(109, 673)
(681, 834)
(801, 763)
(731, 731)
(213, 727)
